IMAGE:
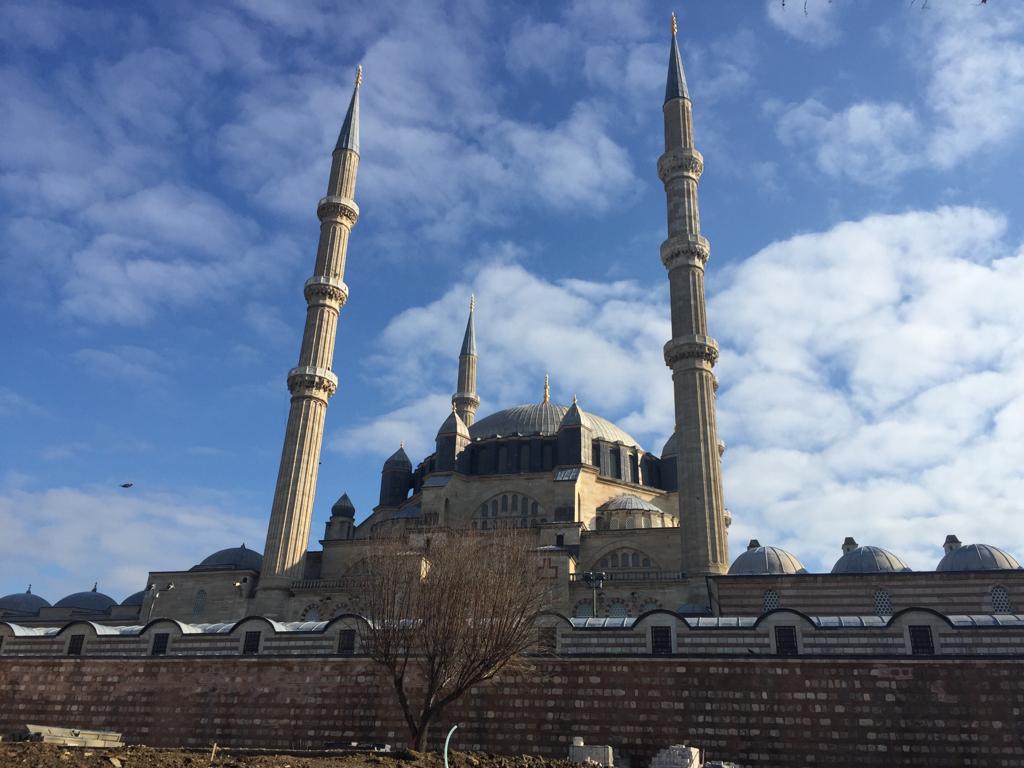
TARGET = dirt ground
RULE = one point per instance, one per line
(29, 755)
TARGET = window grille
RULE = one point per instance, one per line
(618, 611)
(251, 646)
(584, 609)
(199, 603)
(661, 641)
(311, 614)
(1000, 600)
(347, 642)
(921, 641)
(75, 645)
(785, 641)
(883, 603)
(160, 640)
(771, 600)
(547, 641)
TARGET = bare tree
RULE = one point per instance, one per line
(449, 615)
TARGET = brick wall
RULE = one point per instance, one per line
(778, 712)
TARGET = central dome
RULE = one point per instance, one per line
(543, 419)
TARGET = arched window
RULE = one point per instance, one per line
(629, 523)
(618, 610)
(199, 603)
(1000, 600)
(613, 561)
(503, 513)
(524, 458)
(635, 560)
(312, 613)
(771, 600)
(883, 603)
(584, 609)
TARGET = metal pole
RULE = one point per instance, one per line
(447, 739)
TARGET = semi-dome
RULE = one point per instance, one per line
(136, 598)
(87, 601)
(544, 418)
(628, 502)
(761, 561)
(869, 559)
(234, 558)
(23, 602)
(978, 557)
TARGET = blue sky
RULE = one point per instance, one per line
(159, 171)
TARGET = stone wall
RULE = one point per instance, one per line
(777, 712)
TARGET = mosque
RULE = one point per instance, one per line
(619, 529)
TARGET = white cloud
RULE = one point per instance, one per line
(810, 21)
(872, 378)
(974, 64)
(115, 537)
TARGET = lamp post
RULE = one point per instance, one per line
(595, 580)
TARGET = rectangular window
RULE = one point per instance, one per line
(785, 641)
(547, 641)
(1, 643)
(347, 642)
(661, 641)
(75, 645)
(921, 641)
(160, 643)
(251, 646)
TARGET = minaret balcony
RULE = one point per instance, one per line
(680, 162)
(696, 351)
(311, 380)
(688, 250)
(330, 291)
(339, 208)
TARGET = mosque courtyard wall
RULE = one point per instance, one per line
(779, 712)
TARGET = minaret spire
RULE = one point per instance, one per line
(465, 400)
(312, 382)
(691, 353)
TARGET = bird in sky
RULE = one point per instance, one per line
(127, 485)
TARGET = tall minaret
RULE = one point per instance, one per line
(465, 398)
(312, 382)
(691, 353)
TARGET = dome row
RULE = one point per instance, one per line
(760, 561)
(233, 558)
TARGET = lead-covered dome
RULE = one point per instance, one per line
(87, 601)
(23, 602)
(978, 557)
(869, 559)
(762, 561)
(136, 598)
(543, 419)
(628, 502)
(232, 559)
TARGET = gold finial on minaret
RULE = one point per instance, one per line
(675, 25)
(401, 444)
(359, 73)
(574, 399)
(547, 389)
(472, 301)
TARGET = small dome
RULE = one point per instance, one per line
(233, 559)
(399, 457)
(628, 502)
(869, 560)
(87, 601)
(670, 448)
(762, 561)
(978, 557)
(135, 598)
(23, 602)
(343, 507)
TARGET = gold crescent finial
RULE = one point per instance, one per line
(574, 399)
(359, 75)
(547, 389)
(472, 302)
(675, 25)
(401, 444)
